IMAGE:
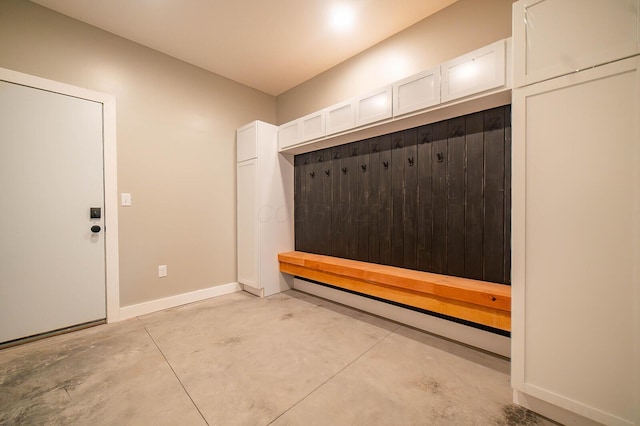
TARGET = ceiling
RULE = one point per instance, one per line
(270, 45)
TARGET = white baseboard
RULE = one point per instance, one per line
(131, 311)
(471, 336)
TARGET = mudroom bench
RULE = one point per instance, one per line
(479, 302)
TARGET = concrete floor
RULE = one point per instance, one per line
(291, 359)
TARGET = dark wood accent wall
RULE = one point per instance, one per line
(435, 198)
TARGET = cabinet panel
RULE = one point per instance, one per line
(289, 134)
(265, 219)
(556, 37)
(576, 171)
(416, 92)
(247, 176)
(246, 139)
(340, 117)
(475, 72)
(312, 126)
(374, 107)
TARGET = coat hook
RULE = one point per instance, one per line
(385, 164)
(320, 159)
(398, 143)
(312, 174)
(336, 155)
(364, 167)
(440, 157)
(354, 152)
(344, 170)
(375, 148)
(411, 161)
(326, 172)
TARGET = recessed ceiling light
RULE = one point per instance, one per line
(342, 17)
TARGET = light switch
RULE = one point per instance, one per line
(125, 199)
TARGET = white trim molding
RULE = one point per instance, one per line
(110, 173)
(151, 306)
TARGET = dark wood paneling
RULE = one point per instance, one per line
(439, 161)
(305, 213)
(386, 197)
(314, 184)
(337, 224)
(455, 197)
(410, 198)
(435, 198)
(424, 211)
(398, 163)
(350, 214)
(299, 202)
(323, 180)
(494, 195)
(362, 203)
(474, 196)
(372, 177)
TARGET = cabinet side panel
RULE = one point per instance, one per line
(581, 251)
(247, 230)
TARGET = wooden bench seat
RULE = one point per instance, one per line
(475, 301)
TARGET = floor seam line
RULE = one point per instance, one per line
(335, 374)
(176, 376)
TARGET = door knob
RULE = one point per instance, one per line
(95, 229)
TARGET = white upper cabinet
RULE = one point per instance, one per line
(416, 92)
(475, 72)
(557, 37)
(374, 106)
(312, 126)
(247, 139)
(482, 72)
(289, 134)
(340, 117)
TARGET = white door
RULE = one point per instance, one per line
(52, 265)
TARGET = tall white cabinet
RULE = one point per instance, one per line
(576, 210)
(264, 209)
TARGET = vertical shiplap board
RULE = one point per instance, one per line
(474, 196)
(424, 218)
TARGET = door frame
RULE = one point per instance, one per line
(112, 274)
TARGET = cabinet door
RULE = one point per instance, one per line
(312, 126)
(289, 134)
(340, 117)
(246, 140)
(475, 72)
(556, 37)
(248, 254)
(416, 92)
(576, 180)
(374, 106)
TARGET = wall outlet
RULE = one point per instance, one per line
(125, 199)
(162, 271)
